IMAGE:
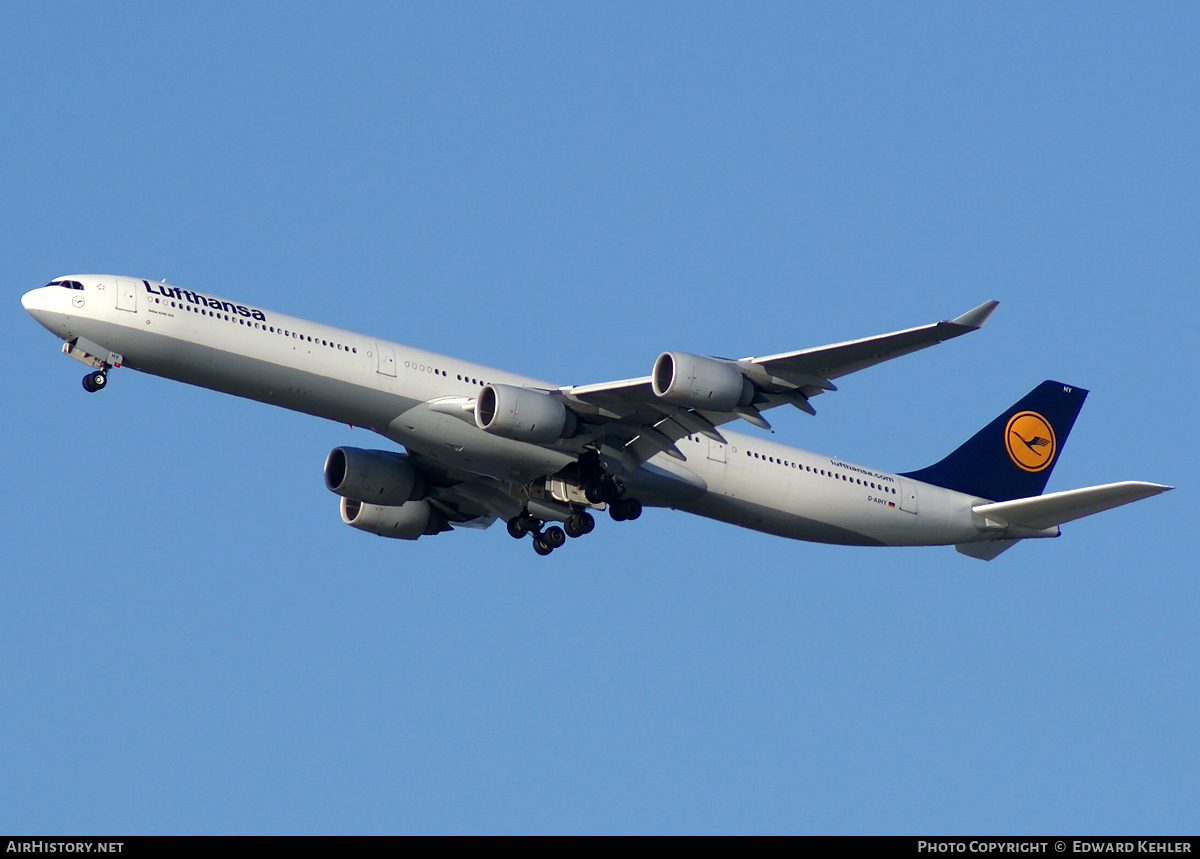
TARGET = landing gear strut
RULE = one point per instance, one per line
(94, 381)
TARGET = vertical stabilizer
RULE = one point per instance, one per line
(1012, 457)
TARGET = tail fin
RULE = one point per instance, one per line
(1012, 457)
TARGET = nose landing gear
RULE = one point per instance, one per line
(95, 381)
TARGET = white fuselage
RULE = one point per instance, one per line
(389, 388)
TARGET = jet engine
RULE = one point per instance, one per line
(700, 383)
(406, 522)
(523, 415)
(372, 476)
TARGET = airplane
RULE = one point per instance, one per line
(481, 444)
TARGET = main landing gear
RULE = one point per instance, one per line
(546, 541)
(579, 524)
(94, 381)
(606, 490)
(599, 487)
(625, 509)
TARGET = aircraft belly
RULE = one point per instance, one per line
(663, 482)
(772, 520)
(241, 375)
(792, 503)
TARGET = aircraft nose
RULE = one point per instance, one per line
(39, 304)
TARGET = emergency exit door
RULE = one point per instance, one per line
(127, 294)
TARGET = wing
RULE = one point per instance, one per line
(464, 499)
(816, 367)
(629, 417)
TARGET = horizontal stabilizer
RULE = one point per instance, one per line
(1046, 511)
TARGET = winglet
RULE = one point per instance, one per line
(975, 318)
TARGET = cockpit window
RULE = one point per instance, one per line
(69, 284)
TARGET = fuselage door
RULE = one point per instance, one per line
(908, 496)
(387, 360)
(716, 450)
(127, 294)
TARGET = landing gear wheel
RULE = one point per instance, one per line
(603, 491)
(522, 524)
(625, 509)
(579, 524)
(539, 546)
(93, 382)
(554, 537)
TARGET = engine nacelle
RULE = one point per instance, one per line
(405, 522)
(372, 476)
(700, 383)
(523, 415)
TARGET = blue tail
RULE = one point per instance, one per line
(1012, 457)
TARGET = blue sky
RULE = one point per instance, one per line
(193, 642)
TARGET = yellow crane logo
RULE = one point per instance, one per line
(1029, 440)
